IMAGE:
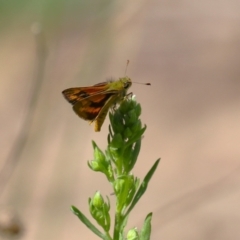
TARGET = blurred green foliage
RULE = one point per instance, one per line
(52, 12)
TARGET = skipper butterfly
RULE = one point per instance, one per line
(92, 103)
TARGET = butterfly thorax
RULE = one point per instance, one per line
(121, 85)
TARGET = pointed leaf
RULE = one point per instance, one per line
(85, 221)
(134, 154)
(136, 137)
(146, 229)
(143, 186)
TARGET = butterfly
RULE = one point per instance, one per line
(93, 103)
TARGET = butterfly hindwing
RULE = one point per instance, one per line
(90, 108)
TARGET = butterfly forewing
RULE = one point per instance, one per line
(92, 103)
(74, 95)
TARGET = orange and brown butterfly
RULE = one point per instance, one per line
(92, 103)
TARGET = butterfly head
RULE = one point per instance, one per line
(126, 82)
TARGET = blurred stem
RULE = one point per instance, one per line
(22, 138)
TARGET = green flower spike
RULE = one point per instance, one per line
(117, 163)
(125, 135)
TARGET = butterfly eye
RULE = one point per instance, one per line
(127, 85)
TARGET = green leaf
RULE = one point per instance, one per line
(136, 126)
(146, 229)
(138, 109)
(98, 153)
(85, 221)
(127, 133)
(117, 122)
(143, 187)
(117, 141)
(134, 154)
(136, 137)
(110, 135)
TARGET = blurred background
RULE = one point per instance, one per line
(188, 50)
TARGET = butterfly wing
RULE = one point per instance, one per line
(89, 108)
(74, 95)
(92, 103)
(103, 112)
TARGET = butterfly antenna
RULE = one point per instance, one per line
(126, 67)
(149, 84)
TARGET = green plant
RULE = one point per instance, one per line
(124, 143)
